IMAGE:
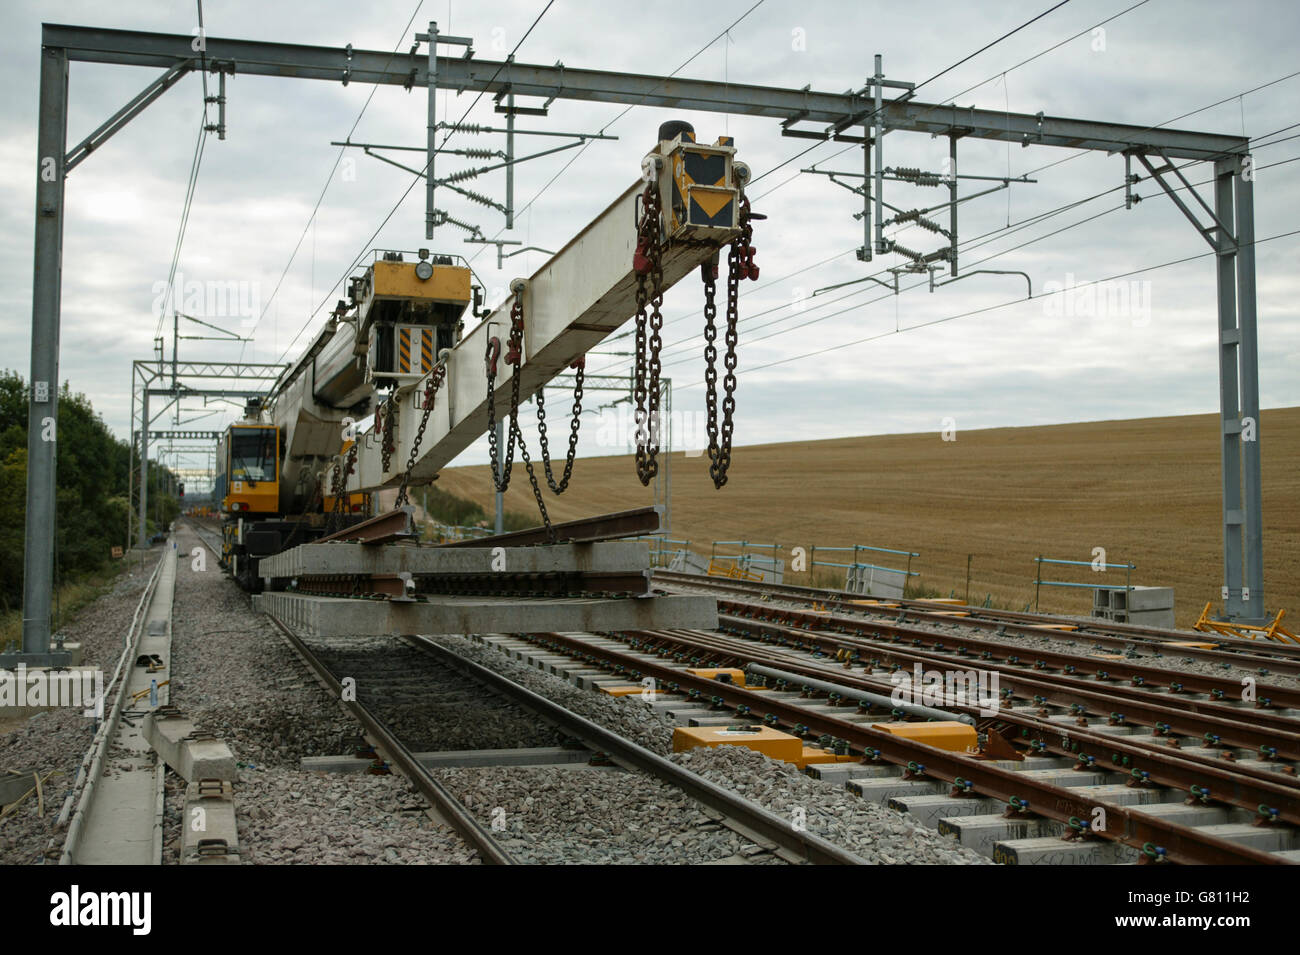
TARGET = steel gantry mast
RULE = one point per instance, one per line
(835, 112)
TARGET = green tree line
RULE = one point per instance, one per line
(92, 485)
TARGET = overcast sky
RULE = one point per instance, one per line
(1028, 363)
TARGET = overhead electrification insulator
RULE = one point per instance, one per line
(479, 198)
(921, 178)
(464, 174)
(905, 251)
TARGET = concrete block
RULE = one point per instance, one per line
(341, 616)
(1163, 619)
(1150, 598)
(883, 790)
(930, 808)
(1052, 850)
(1266, 838)
(341, 557)
(840, 773)
(875, 582)
(209, 834)
(983, 832)
(192, 753)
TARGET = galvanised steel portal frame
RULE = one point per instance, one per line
(1232, 234)
(171, 380)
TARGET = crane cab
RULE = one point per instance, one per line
(408, 312)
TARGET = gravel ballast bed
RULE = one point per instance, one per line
(876, 833)
(58, 739)
(430, 707)
(593, 816)
(234, 674)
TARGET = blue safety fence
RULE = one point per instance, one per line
(1097, 566)
(858, 550)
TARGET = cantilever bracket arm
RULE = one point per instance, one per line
(1028, 281)
(124, 115)
(1229, 240)
(892, 286)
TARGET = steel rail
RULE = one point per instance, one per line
(1245, 787)
(984, 649)
(460, 819)
(1240, 653)
(1193, 718)
(630, 523)
(743, 814)
(730, 651)
(1138, 830)
(395, 525)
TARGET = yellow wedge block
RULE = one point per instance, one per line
(941, 734)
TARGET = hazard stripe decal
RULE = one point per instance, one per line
(426, 350)
(404, 349)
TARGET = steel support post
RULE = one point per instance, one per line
(879, 136)
(43, 412)
(142, 539)
(952, 198)
(1252, 597)
(510, 171)
(130, 464)
(432, 143)
(1229, 391)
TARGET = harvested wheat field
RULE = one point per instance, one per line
(1146, 490)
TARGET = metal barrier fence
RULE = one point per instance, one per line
(734, 558)
(1097, 566)
(860, 575)
(744, 565)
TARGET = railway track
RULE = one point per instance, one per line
(414, 672)
(1257, 655)
(1175, 763)
(1014, 810)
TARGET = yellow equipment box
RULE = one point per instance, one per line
(766, 740)
(627, 689)
(941, 734)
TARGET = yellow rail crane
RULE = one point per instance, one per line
(397, 353)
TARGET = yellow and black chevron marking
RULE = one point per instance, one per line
(404, 350)
(702, 207)
(425, 343)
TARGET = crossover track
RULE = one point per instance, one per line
(1272, 657)
(1100, 760)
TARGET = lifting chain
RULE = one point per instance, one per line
(389, 416)
(580, 367)
(647, 265)
(436, 378)
(740, 265)
(514, 357)
(338, 486)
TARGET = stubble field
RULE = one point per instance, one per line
(1146, 490)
